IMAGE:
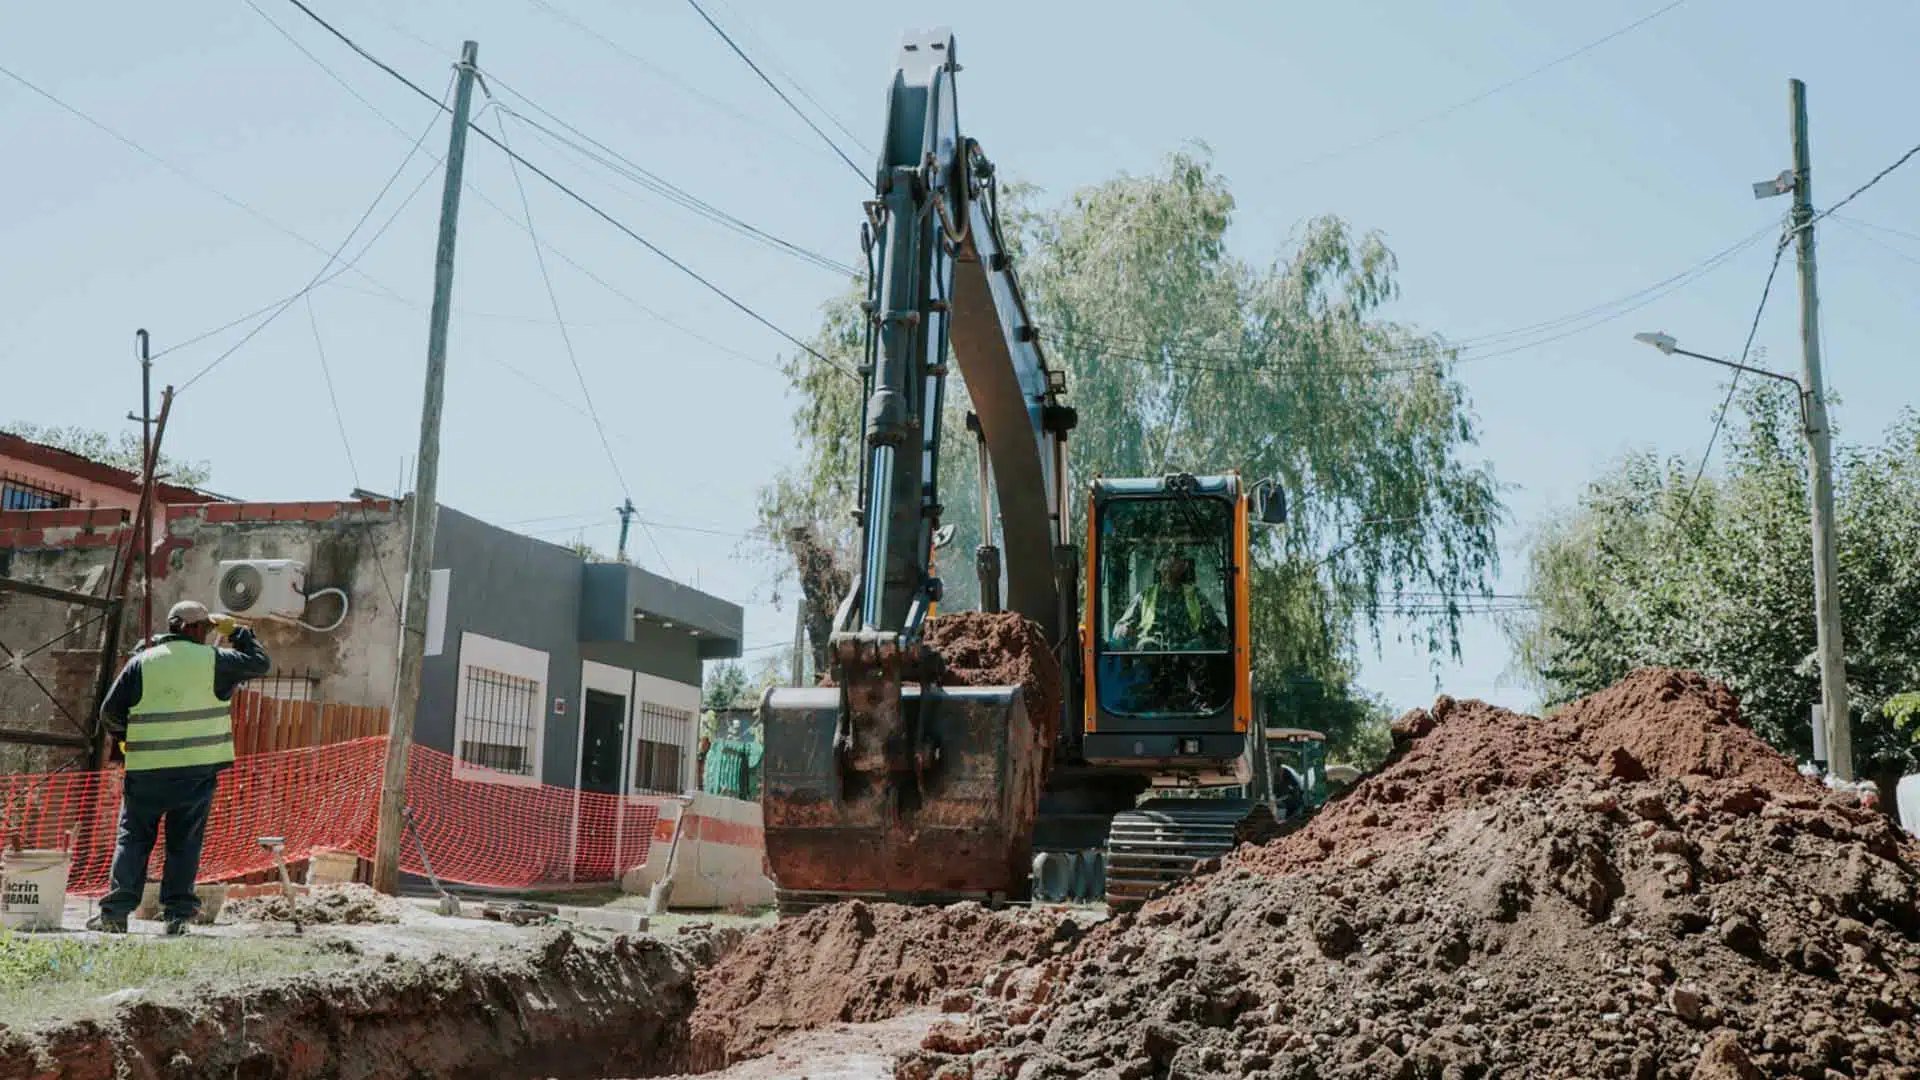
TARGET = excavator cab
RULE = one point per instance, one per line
(1167, 664)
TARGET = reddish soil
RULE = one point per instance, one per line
(854, 963)
(1635, 887)
(1006, 649)
(1658, 722)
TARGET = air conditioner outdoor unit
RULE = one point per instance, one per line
(272, 588)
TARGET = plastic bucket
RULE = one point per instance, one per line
(33, 888)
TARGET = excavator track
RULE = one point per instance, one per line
(1161, 842)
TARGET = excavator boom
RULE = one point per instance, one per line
(887, 783)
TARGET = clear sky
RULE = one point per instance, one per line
(1574, 187)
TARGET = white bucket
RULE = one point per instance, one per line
(33, 888)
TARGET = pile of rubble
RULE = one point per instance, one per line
(1635, 887)
(852, 963)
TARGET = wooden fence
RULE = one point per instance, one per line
(263, 724)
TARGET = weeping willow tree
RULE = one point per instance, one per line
(1182, 357)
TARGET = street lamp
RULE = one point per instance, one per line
(1666, 344)
(1832, 723)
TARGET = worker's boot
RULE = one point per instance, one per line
(105, 924)
(176, 927)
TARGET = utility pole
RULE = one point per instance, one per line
(799, 673)
(413, 612)
(626, 512)
(1826, 563)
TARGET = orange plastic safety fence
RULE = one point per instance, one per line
(477, 829)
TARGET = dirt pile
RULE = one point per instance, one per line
(857, 962)
(1636, 887)
(1005, 649)
(351, 904)
(555, 1008)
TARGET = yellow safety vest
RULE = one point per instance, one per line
(1150, 601)
(178, 722)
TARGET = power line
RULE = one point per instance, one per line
(566, 339)
(800, 88)
(1861, 190)
(326, 373)
(654, 182)
(582, 200)
(1580, 321)
(663, 73)
(1877, 227)
(1733, 385)
(183, 173)
(1854, 228)
(345, 268)
(1476, 99)
(771, 85)
(332, 256)
(489, 202)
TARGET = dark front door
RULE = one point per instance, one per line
(604, 724)
(606, 728)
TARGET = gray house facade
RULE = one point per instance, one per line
(543, 668)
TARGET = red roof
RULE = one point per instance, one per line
(85, 468)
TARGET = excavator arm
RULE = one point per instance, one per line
(887, 784)
(943, 288)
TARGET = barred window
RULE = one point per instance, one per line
(501, 721)
(18, 494)
(660, 748)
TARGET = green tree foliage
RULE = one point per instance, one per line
(122, 451)
(1638, 575)
(726, 686)
(1181, 356)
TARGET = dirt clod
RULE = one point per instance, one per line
(352, 904)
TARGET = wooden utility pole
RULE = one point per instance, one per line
(1826, 563)
(413, 612)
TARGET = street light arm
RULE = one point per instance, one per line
(1665, 343)
(1799, 391)
(1763, 372)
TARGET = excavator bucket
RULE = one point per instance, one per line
(852, 810)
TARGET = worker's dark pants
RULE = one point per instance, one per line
(181, 799)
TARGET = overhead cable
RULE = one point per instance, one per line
(583, 200)
(775, 87)
(1720, 418)
(566, 339)
(1476, 99)
(332, 256)
(183, 174)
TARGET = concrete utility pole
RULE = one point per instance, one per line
(1826, 563)
(799, 674)
(626, 512)
(413, 633)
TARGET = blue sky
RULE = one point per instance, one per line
(1573, 188)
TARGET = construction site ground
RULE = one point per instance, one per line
(1634, 887)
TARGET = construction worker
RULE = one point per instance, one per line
(1171, 612)
(168, 710)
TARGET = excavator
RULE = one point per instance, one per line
(887, 783)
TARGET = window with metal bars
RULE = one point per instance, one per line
(660, 747)
(501, 722)
(20, 495)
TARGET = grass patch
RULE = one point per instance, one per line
(46, 975)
